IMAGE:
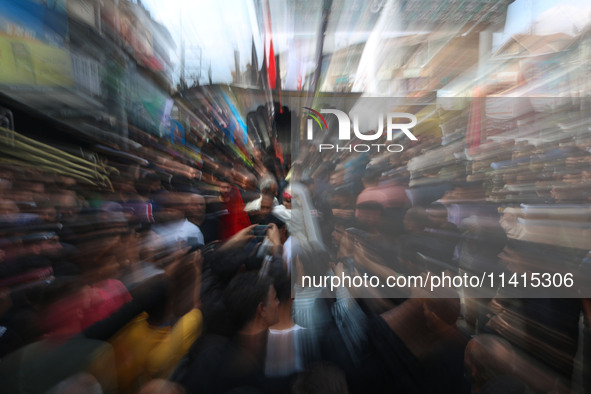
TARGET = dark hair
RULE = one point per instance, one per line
(417, 215)
(225, 263)
(281, 281)
(267, 194)
(273, 219)
(243, 296)
(372, 175)
(224, 179)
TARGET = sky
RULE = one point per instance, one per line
(545, 17)
(211, 28)
(214, 29)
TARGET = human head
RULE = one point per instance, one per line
(172, 206)
(250, 182)
(266, 205)
(370, 215)
(43, 244)
(250, 298)
(67, 207)
(509, 220)
(437, 215)
(287, 198)
(8, 207)
(268, 185)
(335, 179)
(196, 207)
(224, 188)
(46, 211)
(371, 177)
(415, 220)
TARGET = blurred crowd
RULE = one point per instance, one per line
(160, 239)
(421, 212)
(160, 287)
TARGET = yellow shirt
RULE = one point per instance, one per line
(144, 352)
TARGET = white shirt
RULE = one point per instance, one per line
(284, 353)
(180, 230)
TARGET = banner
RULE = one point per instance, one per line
(34, 21)
(25, 62)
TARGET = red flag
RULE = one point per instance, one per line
(269, 51)
(272, 69)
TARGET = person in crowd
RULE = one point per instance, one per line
(250, 189)
(287, 198)
(35, 251)
(390, 195)
(68, 207)
(441, 238)
(267, 186)
(220, 365)
(8, 208)
(46, 211)
(264, 210)
(141, 255)
(481, 242)
(415, 221)
(173, 220)
(208, 226)
(152, 344)
(131, 302)
(233, 217)
(286, 350)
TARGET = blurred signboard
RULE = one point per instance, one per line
(25, 62)
(34, 21)
(32, 41)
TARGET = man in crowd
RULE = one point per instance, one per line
(173, 220)
(230, 207)
(197, 216)
(218, 364)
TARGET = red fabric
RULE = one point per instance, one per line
(269, 51)
(474, 132)
(106, 297)
(70, 315)
(389, 196)
(237, 218)
(272, 68)
(278, 151)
